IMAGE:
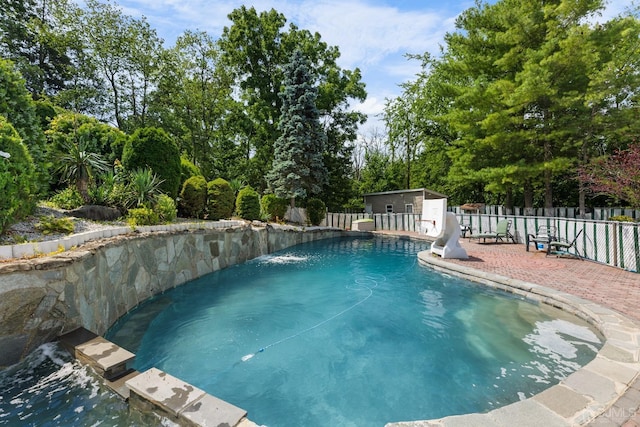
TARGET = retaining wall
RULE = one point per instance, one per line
(94, 285)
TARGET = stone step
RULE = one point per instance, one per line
(155, 389)
(108, 359)
(152, 390)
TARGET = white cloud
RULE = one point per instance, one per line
(371, 106)
(366, 34)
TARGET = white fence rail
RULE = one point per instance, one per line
(601, 214)
(393, 222)
(613, 243)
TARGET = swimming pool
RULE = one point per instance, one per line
(353, 332)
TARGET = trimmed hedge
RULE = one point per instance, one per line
(248, 204)
(193, 197)
(220, 199)
(17, 106)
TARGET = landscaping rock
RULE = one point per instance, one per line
(96, 213)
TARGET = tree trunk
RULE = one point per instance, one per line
(508, 201)
(528, 198)
(582, 191)
(548, 194)
(83, 188)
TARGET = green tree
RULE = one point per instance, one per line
(194, 98)
(380, 173)
(32, 36)
(16, 177)
(153, 148)
(521, 96)
(256, 47)
(43, 39)
(298, 169)
(273, 207)
(16, 104)
(316, 211)
(126, 53)
(187, 170)
(404, 142)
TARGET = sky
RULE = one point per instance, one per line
(372, 35)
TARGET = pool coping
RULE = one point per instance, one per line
(606, 391)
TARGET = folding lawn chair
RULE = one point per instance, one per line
(562, 246)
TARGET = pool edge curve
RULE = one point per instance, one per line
(595, 391)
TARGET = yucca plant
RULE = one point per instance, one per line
(77, 165)
(143, 188)
(236, 185)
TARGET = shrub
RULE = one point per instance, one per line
(622, 218)
(142, 216)
(187, 170)
(98, 137)
(273, 207)
(118, 196)
(220, 199)
(17, 177)
(193, 197)
(100, 191)
(248, 204)
(166, 209)
(51, 225)
(69, 198)
(143, 188)
(153, 148)
(316, 210)
(16, 104)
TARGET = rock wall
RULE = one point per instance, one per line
(94, 285)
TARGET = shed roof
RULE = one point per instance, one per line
(425, 190)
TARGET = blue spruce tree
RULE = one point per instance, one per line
(298, 169)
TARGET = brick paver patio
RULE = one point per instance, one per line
(609, 286)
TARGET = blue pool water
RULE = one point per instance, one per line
(353, 332)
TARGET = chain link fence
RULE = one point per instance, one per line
(601, 214)
(613, 243)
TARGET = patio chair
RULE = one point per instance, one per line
(562, 246)
(502, 232)
(544, 235)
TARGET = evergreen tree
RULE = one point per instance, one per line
(19, 109)
(256, 47)
(298, 169)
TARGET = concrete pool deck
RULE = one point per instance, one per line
(606, 392)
